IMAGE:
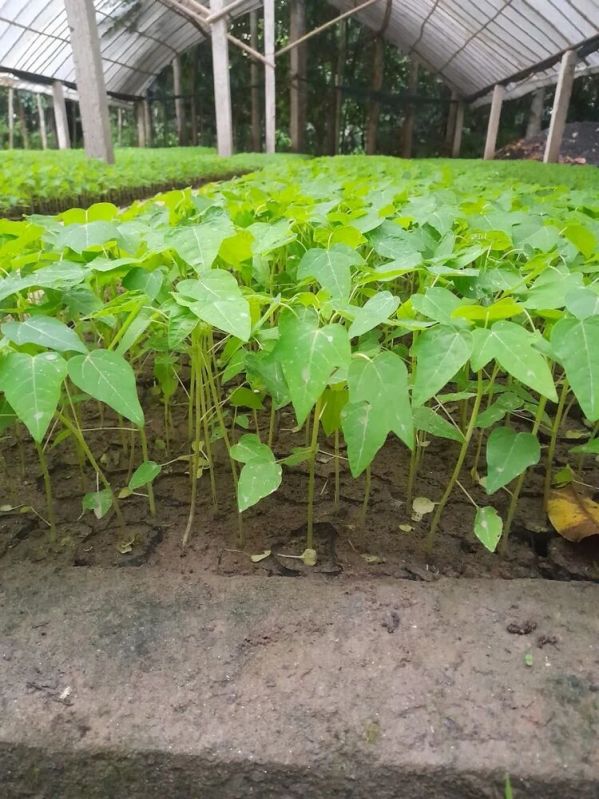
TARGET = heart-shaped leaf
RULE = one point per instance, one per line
(509, 454)
(46, 332)
(488, 526)
(215, 297)
(440, 353)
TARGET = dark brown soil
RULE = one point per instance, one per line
(580, 145)
(383, 546)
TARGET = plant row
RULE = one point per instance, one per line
(375, 298)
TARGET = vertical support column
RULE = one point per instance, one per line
(119, 126)
(11, 118)
(297, 70)
(559, 114)
(255, 90)
(341, 56)
(179, 110)
(93, 104)
(147, 108)
(494, 117)
(458, 129)
(22, 123)
(451, 118)
(141, 123)
(374, 108)
(60, 116)
(408, 126)
(222, 82)
(535, 118)
(270, 110)
(41, 113)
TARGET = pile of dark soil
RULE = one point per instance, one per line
(580, 145)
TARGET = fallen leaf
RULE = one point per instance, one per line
(406, 528)
(420, 507)
(124, 547)
(260, 556)
(573, 515)
(7, 508)
(373, 558)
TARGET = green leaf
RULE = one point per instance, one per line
(333, 402)
(32, 385)
(440, 353)
(575, 342)
(60, 275)
(582, 303)
(438, 304)
(237, 248)
(426, 419)
(107, 377)
(144, 474)
(257, 480)
(244, 397)
(309, 355)
(382, 381)
(331, 268)
(590, 448)
(513, 348)
(99, 502)
(46, 332)
(198, 245)
(82, 237)
(488, 527)
(502, 309)
(582, 238)
(509, 454)
(250, 448)
(298, 455)
(215, 297)
(374, 312)
(7, 415)
(365, 431)
(506, 403)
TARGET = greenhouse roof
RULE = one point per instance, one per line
(138, 39)
(474, 44)
(470, 44)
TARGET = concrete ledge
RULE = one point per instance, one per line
(132, 684)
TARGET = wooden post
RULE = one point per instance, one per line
(255, 90)
(374, 108)
(179, 109)
(408, 125)
(297, 75)
(535, 119)
(456, 144)
(341, 55)
(11, 118)
(222, 82)
(559, 114)
(147, 106)
(22, 123)
(41, 113)
(270, 109)
(60, 116)
(494, 117)
(451, 118)
(93, 102)
(141, 123)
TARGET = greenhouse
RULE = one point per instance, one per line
(299, 399)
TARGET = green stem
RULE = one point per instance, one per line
(511, 511)
(479, 443)
(337, 471)
(312, 464)
(367, 487)
(196, 372)
(553, 442)
(207, 438)
(48, 488)
(271, 424)
(413, 468)
(144, 450)
(459, 463)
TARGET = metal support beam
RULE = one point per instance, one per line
(270, 111)
(60, 116)
(41, 113)
(458, 129)
(561, 102)
(177, 90)
(225, 11)
(494, 117)
(222, 83)
(326, 25)
(535, 118)
(93, 101)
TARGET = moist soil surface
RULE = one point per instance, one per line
(580, 145)
(389, 543)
